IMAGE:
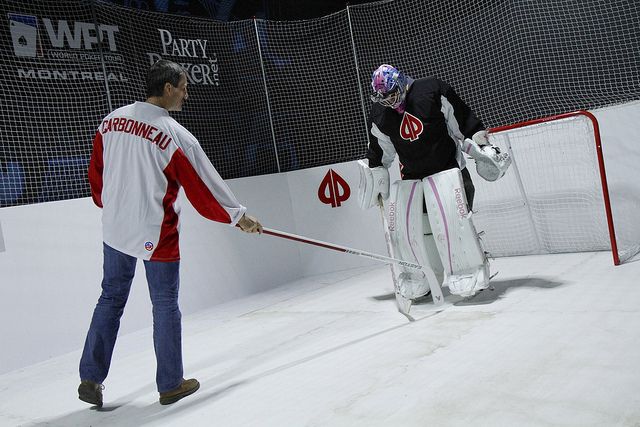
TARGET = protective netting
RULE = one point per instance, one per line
(52, 101)
(510, 60)
(268, 97)
(69, 63)
(226, 106)
(313, 91)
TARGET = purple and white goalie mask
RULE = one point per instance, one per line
(389, 87)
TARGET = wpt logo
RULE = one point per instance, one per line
(62, 34)
(80, 35)
(330, 188)
(24, 35)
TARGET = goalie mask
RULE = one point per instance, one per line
(389, 86)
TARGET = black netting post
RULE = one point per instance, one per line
(266, 92)
(104, 67)
(355, 59)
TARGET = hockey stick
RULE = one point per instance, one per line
(339, 248)
(403, 303)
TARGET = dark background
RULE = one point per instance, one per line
(233, 10)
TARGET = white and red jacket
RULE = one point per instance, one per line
(141, 157)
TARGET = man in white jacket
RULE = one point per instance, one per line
(141, 158)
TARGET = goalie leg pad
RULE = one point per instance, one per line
(373, 181)
(404, 213)
(465, 265)
(431, 249)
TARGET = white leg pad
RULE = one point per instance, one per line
(432, 249)
(465, 264)
(404, 213)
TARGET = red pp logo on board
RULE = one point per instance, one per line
(333, 189)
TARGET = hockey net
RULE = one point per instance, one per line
(554, 198)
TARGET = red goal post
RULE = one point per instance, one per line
(555, 197)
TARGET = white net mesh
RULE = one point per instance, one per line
(226, 109)
(277, 96)
(510, 60)
(313, 91)
(56, 64)
(50, 109)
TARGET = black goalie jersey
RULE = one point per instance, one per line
(427, 135)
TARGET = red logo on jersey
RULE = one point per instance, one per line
(329, 190)
(411, 127)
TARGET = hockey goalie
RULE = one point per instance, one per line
(429, 212)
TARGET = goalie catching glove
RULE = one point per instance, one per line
(373, 182)
(491, 164)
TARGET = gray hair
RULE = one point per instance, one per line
(160, 73)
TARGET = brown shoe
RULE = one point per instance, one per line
(183, 390)
(90, 392)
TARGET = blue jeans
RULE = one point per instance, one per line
(163, 281)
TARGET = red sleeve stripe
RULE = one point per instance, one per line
(95, 170)
(196, 190)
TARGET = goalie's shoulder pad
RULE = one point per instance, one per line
(491, 163)
(373, 182)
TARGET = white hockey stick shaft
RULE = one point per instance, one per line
(404, 304)
(339, 248)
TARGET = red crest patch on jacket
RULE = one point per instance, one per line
(411, 127)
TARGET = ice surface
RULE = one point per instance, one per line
(555, 343)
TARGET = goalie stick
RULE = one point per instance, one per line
(403, 303)
(434, 286)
